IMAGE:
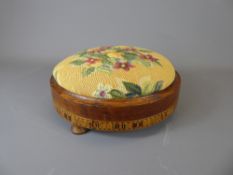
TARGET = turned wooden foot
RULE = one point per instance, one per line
(78, 130)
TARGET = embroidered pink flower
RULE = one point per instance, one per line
(123, 65)
(148, 57)
(91, 60)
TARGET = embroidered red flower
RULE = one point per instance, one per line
(123, 65)
(103, 48)
(91, 60)
(99, 49)
(148, 57)
(130, 49)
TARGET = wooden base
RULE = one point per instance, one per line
(86, 113)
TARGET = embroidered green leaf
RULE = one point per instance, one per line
(117, 59)
(78, 62)
(158, 63)
(147, 89)
(104, 68)
(88, 71)
(106, 61)
(131, 87)
(100, 55)
(117, 49)
(130, 94)
(82, 54)
(158, 85)
(144, 50)
(130, 56)
(116, 93)
(145, 63)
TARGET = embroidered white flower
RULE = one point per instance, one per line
(102, 91)
(147, 85)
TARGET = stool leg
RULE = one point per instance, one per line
(78, 130)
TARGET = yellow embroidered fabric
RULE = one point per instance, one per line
(115, 72)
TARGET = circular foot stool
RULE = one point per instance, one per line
(114, 88)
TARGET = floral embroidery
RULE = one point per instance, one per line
(102, 91)
(113, 57)
(98, 49)
(113, 72)
(131, 90)
(114, 54)
(134, 90)
(123, 65)
(146, 84)
(91, 60)
(148, 57)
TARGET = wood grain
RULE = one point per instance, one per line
(115, 114)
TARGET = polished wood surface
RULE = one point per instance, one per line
(114, 114)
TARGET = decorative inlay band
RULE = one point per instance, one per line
(105, 125)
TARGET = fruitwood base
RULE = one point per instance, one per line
(85, 113)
